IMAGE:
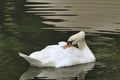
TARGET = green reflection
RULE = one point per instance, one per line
(108, 59)
(9, 26)
(21, 32)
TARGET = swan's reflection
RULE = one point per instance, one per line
(66, 73)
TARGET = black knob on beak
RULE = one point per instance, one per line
(69, 42)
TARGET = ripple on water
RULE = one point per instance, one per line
(88, 15)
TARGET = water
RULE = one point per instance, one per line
(28, 26)
(70, 73)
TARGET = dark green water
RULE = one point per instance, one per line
(26, 32)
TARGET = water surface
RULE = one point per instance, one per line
(28, 26)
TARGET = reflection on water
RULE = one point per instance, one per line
(88, 15)
(68, 73)
(25, 26)
(9, 25)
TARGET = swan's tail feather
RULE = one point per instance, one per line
(32, 61)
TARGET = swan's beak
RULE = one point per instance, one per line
(69, 44)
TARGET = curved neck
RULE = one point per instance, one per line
(85, 49)
(82, 45)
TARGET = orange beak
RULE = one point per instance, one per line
(68, 45)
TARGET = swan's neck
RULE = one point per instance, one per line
(82, 45)
(85, 49)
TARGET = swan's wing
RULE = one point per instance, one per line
(32, 61)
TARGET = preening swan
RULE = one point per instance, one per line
(59, 55)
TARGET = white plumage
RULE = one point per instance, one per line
(57, 56)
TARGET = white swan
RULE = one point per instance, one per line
(57, 56)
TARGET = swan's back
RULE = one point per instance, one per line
(58, 56)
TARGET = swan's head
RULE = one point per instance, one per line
(76, 38)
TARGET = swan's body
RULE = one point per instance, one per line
(57, 56)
